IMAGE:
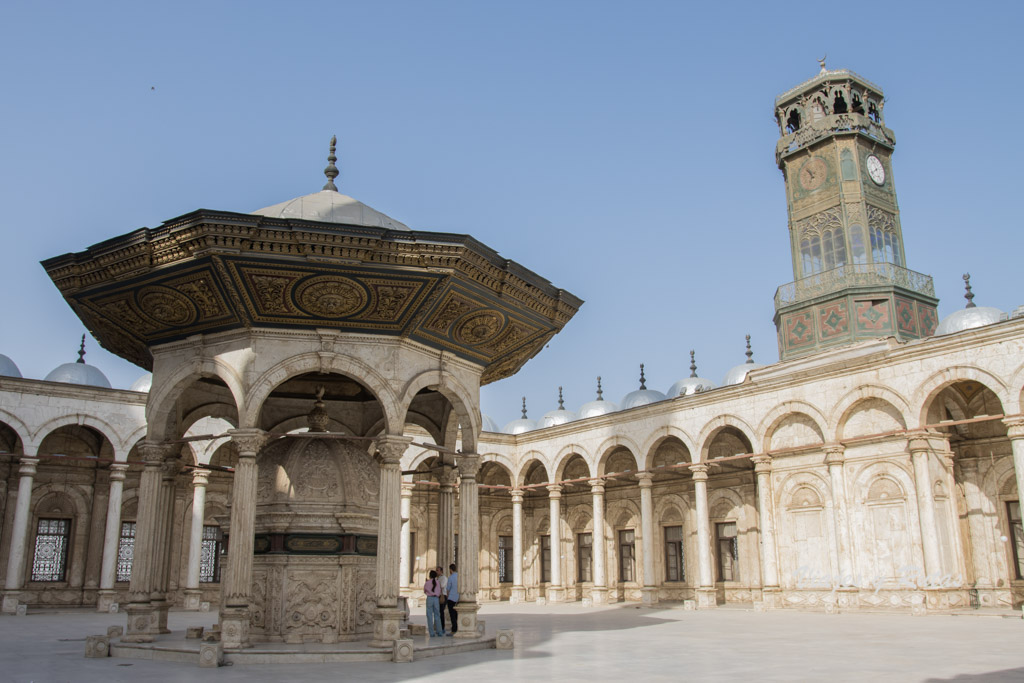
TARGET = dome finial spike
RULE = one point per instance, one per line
(561, 404)
(81, 351)
(969, 295)
(749, 353)
(821, 63)
(600, 394)
(524, 407)
(693, 365)
(332, 171)
(643, 381)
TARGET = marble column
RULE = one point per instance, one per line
(387, 618)
(446, 517)
(706, 594)
(599, 593)
(142, 618)
(556, 591)
(518, 589)
(407, 551)
(19, 535)
(469, 545)
(1015, 431)
(111, 537)
(982, 534)
(649, 593)
(194, 596)
(159, 596)
(769, 552)
(834, 459)
(920, 452)
(236, 588)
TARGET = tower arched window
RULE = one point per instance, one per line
(860, 254)
(885, 247)
(823, 252)
(793, 121)
(810, 255)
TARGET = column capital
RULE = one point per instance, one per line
(835, 454)
(154, 453)
(645, 479)
(597, 488)
(762, 463)
(917, 442)
(118, 471)
(1014, 427)
(468, 464)
(200, 477)
(391, 448)
(699, 471)
(967, 465)
(446, 477)
(248, 441)
(28, 466)
(170, 468)
(554, 491)
(517, 496)
(407, 488)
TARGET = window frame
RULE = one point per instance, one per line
(505, 574)
(585, 557)
(64, 549)
(627, 555)
(124, 540)
(677, 553)
(734, 551)
(545, 558)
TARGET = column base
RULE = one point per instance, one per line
(141, 623)
(517, 596)
(193, 598)
(649, 595)
(105, 599)
(467, 619)
(234, 628)
(599, 595)
(771, 596)
(11, 601)
(707, 598)
(387, 626)
(160, 610)
(555, 593)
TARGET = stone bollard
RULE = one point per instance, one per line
(404, 633)
(480, 629)
(97, 646)
(210, 655)
(114, 607)
(541, 602)
(588, 602)
(418, 629)
(115, 631)
(22, 610)
(506, 639)
(193, 632)
(204, 607)
(402, 651)
(689, 604)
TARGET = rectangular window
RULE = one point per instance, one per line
(412, 557)
(627, 555)
(51, 557)
(674, 554)
(584, 557)
(1016, 536)
(545, 559)
(504, 559)
(126, 551)
(210, 555)
(728, 552)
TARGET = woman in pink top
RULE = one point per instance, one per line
(433, 590)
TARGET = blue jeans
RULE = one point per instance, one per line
(434, 627)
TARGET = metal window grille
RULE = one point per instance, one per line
(584, 557)
(504, 559)
(49, 563)
(1016, 536)
(674, 570)
(210, 555)
(728, 552)
(627, 555)
(126, 551)
(545, 559)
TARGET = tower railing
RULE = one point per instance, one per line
(853, 275)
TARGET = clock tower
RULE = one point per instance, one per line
(849, 266)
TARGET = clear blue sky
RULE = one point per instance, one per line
(624, 151)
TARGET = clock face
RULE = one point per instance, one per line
(875, 170)
(813, 173)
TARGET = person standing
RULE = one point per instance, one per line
(452, 599)
(443, 580)
(433, 590)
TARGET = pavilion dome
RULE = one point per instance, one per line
(599, 406)
(330, 206)
(557, 417)
(522, 425)
(692, 384)
(79, 372)
(971, 316)
(642, 396)
(738, 373)
(489, 425)
(8, 368)
(143, 384)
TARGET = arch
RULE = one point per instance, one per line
(662, 434)
(101, 427)
(501, 459)
(525, 468)
(19, 428)
(165, 393)
(933, 386)
(671, 508)
(424, 423)
(567, 455)
(794, 430)
(716, 425)
(786, 490)
(323, 362)
(773, 420)
(876, 470)
(214, 410)
(839, 412)
(1016, 390)
(610, 446)
(467, 410)
(719, 498)
(486, 477)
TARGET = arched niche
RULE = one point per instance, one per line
(871, 416)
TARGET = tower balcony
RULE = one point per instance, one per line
(851, 276)
(829, 125)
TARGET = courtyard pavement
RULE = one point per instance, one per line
(573, 643)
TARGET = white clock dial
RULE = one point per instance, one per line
(875, 170)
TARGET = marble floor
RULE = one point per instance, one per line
(573, 643)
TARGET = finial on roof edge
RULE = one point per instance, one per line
(693, 365)
(332, 171)
(81, 351)
(524, 408)
(821, 63)
(561, 404)
(600, 396)
(749, 353)
(969, 295)
(643, 381)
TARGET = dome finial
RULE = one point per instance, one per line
(643, 381)
(969, 295)
(821, 63)
(693, 365)
(524, 407)
(81, 351)
(749, 353)
(561, 403)
(600, 394)
(331, 171)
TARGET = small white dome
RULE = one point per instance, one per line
(969, 318)
(8, 368)
(330, 206)
(737, 374)
(595, 408)
(489, 425)
(78, 373)
(520, 426)
(689, 385)
(556, 417)
(143, 384)
(641, 397)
